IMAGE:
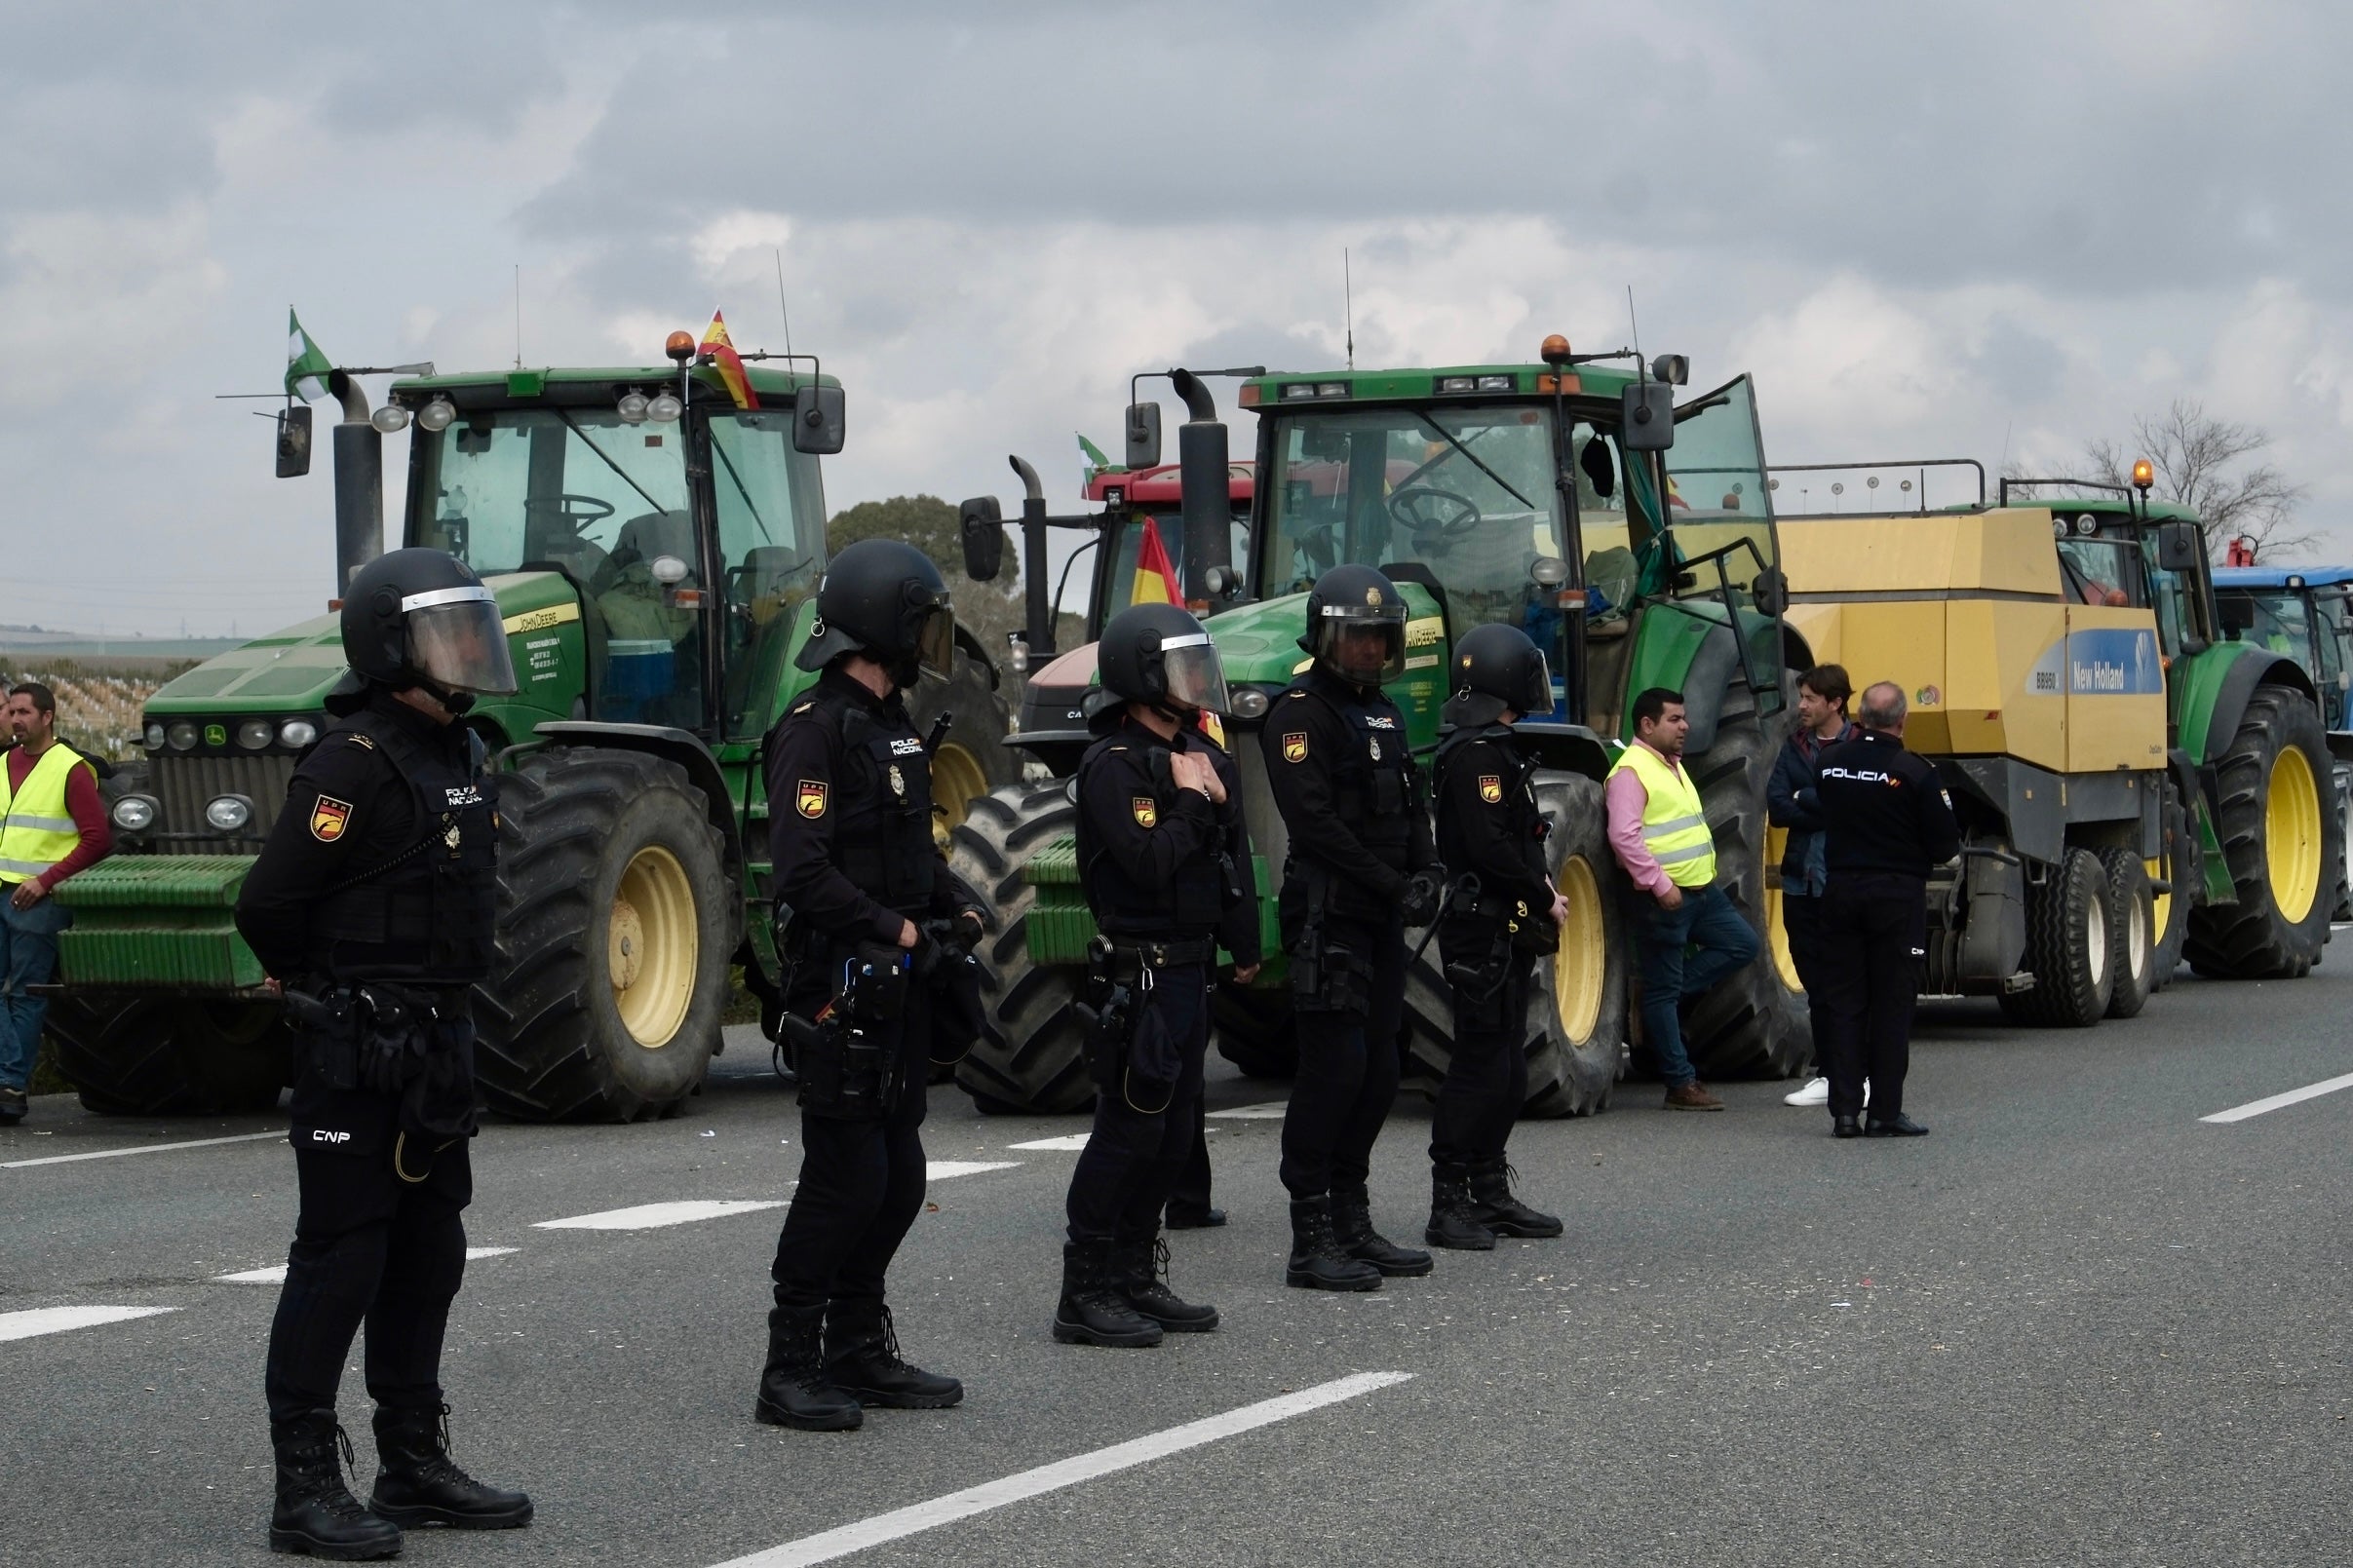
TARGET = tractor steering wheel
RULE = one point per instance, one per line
(1426, 510)
(576, 510)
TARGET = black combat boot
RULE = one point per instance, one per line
(1453, 1223)
(1144, 1268)
(863, 1362)
(794, 1390)
(420, 1484)
(315, 1515)
(1317, 1262)
(1352, 1226)
(1093, 1311)
(1494, 1207)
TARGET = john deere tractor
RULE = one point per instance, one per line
(654, 545)
(1632, 538)
(2307, 614)
(2134, 787)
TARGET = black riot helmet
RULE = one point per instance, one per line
(421, 618)
(884, 599)
(1356, 626)
(1497, 667)
(1158, 654)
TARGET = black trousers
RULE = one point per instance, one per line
(1348, 1072)
(1802, 919)
(1486, 1075)
(1192, 1189)
(377, 1239)
(860, 1188)
(1136, 1154)
(1875, 937)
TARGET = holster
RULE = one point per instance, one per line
(1479, 988)
(847, 1058)
(1106, 1013)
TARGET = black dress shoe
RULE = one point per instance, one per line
(1845, 1127)
(1898, 1126)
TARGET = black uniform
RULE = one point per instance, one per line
(1167, 875)
(374, 901)
(1888, 823)
(1488, 826)
(1344, 778)
(850, 835)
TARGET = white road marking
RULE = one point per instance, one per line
(56, 1320)
(653, 1216)
(1271, 1111)
(275, 1272)
(1073, 1141)
(945, 1170)
(143, 1148)
(900, 1524)
(2272, 1103)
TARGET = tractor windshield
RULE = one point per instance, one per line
(2277, 622)
(1467, 489)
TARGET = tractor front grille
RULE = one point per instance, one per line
(185, 784)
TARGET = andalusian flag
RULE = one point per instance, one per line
(1095, 463)
(306, 369)
(717, 350)
(1155, 579)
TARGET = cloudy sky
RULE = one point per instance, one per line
(1979, 229)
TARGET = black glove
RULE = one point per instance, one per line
(1421, 894)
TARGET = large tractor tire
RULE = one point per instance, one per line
(2341, 905)
(616, 920)
(1575, 1037)
(2132, 918)
(170, 1056)
(2282, 840)
(1039, 1065)
(974, 759)
(1755, 1025)
(1255, 1029)
(2069, 949)
(2179, 868)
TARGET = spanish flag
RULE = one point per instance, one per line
(1155, 579)
(717, 350)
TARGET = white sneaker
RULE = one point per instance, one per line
(1816, 1091)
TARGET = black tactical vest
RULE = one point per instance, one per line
(1374, 781)
(1194, 899)
(427, 913)
(882, 828)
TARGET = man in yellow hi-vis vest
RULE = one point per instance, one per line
(1660, 835)
(52, 824)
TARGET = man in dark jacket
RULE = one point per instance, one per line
(1889, 823)
(1822, 697)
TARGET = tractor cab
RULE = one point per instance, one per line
(2306, 615)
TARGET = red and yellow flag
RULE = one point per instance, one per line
(1155, 578)
(717, 350)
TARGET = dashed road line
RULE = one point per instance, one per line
(2273, 1102)
(1073, 1141)
(947, 1169)
(38, 1320)
(900, 1524)
(653, 1216)
(275, 1272)
(143, 1148)
(1271, 1111)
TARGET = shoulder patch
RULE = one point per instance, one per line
(803, 708)
(364, 743)
(1491, 788)
(329, 817)
(1294, 745)
(809, 797)
(1147, 812)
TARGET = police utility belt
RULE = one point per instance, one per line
(1119, 972)
(375, 1035)
(847, 1059)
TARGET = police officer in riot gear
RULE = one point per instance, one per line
(373, 905)
(1361, 867)
(872, 922)
(1165, 862)
(1501, 914)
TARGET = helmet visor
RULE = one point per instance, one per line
(458, 640)
(1363, 642)
(936, 638)
(1536, 690)
(1194, 673)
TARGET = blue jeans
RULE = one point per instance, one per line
(1725, 944)
(28, 957)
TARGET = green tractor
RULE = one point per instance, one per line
(2306, 613)
(654, 547)
(1632, 538)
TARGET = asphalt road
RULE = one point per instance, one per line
(2075, 1325)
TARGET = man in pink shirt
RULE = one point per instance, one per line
(1659, 834)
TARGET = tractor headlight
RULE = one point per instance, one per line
(2087, 526)
(1249, 703)
(297, 732)
(391, 419)
(256, 733)
(155, 737)
(182, 737)
(664, 408)
(134, 814)
(229, 813)
(437, 414)
(632, 407)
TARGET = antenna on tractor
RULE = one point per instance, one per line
(1636, 327)
(1348, 304)
(777, 252)
(519, 316)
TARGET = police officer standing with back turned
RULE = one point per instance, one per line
(1360, 870)
(1164, 861)
(871, 922)
(1501, 916)
(373, 905)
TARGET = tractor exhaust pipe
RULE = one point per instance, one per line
(359, 483)
(1205, 475)
(1037, 604)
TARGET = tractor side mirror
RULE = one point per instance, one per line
(1772, 591)
(818, 425)
(2235, 615)
(1143, 435)
(293, 441)
(2179, 546)
(1646, 416)
(981, 524)
(1221, 581)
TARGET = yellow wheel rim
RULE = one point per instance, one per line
(653, 946)
(1581, 965)
(1777, 931)
(2160, 904)
(2292, 835)
(956, 777)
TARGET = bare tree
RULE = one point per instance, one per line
(2195, 457)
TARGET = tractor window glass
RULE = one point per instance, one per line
(1717, 497)
(558, 489)
(2280, 626)
(771, 517)
(1123, 580)
(2170, 592)
(1466, 490)
(2103, 571)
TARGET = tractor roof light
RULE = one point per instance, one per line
(439, 414)
(2144, 474)
(2087, 526)
(679, 346)
(391, 419)
(664, 408)
(631, 407)
(1554, 351)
